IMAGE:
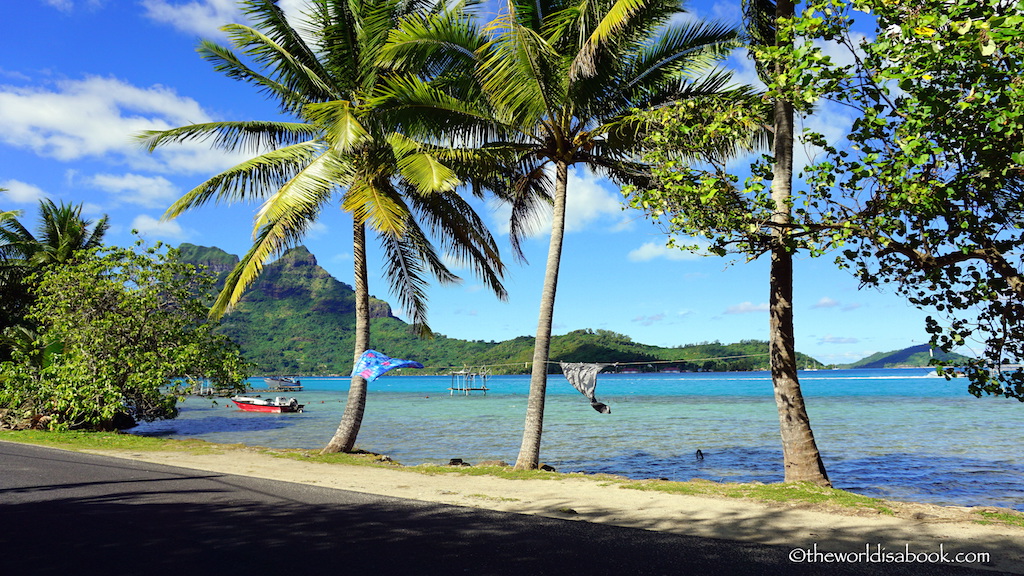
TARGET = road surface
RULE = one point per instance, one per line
(75, 514)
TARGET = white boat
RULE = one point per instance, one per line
(257, 404)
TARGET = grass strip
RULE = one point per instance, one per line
(794, 493)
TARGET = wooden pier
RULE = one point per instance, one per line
(465, 381)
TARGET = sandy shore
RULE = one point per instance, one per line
(919, 529)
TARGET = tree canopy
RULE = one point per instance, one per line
(122, 334)
(926, 192)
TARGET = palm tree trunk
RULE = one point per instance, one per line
(529, 452)
(801, 458)
(352, 418)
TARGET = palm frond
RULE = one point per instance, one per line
(304, 194)
(341, 127)
(251, 180)
(405, 273)
(612, 20)
(521, 74)
(269, 241)
(376, 203)
(464, 236)
(251, 136)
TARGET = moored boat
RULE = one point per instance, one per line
(256, 404)
(282, 383)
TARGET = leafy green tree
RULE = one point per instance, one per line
(325, 73)
(122, 335)
(927, 189)
(703, 198)
(554, 85)
(60, 235)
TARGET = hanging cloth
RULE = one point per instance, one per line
(372, 364)
(583, 377)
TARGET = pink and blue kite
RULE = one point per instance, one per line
(372, 364)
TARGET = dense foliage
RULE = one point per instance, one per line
(121, 336)
(926, 193)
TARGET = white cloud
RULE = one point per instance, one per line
(203, 18)
(587, 202)
(150, 192)
(825, 302)
(22, 193)
(654, 250)
(98, 118)
(149, 226)
(837, 340)
(747, 308)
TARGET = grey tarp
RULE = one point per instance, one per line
(583, 377)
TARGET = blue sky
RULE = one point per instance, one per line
(79, 77)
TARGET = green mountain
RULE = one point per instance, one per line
(297, 319)
(913, 357)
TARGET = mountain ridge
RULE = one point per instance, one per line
(297, 319)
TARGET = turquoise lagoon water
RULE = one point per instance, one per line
(899, 434)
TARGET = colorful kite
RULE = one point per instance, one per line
(372, 364)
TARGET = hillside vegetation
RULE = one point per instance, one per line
(915, 356)
(297, 319)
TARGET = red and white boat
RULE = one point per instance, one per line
(257, 404)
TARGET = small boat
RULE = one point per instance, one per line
(257, 404)
(282, 383)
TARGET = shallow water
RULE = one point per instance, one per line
(899, 434)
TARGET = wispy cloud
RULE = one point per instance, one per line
(837, 340)
(654, 250)
(71, 5)
(747, 308)
(826, 302)
(650, 320)
(202, 18)
(147, 191)
(148, 226)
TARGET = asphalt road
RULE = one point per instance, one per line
(79, 514)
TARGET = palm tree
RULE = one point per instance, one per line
(557, 83)
(324, 74)
(802, 460)
(60, 235)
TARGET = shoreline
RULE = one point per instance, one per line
(800, 526)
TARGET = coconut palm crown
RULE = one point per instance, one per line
(557, 83)
(324, 74)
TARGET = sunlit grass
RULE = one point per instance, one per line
(78, 440)
(793, 494)
(1002, 517)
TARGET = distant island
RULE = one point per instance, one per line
(297, 319)
(913, 357)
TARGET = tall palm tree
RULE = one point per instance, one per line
(557, 84)
(801, 458)
(324, 73)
